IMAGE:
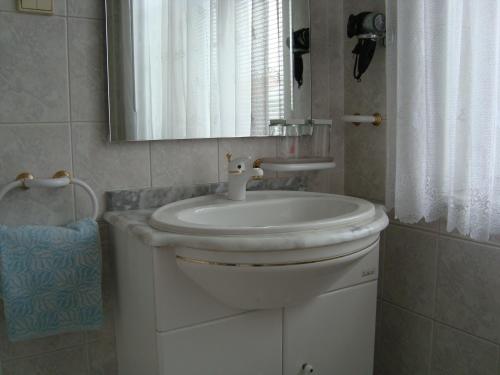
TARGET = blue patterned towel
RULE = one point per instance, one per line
(50, 279)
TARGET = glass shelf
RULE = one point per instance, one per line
(296, 165)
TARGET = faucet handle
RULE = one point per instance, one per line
(238, 165)
(228, 157)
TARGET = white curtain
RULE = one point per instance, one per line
(207, 68)
(443, 69)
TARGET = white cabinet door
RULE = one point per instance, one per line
(334, 333)
(247, 344)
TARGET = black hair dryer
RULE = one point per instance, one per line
(367, 27)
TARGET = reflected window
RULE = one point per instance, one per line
(207, 68)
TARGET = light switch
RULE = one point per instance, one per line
(36, 6)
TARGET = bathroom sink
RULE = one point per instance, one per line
(263, 212)
(275, 249)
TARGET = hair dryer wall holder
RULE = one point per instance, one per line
(370, 36)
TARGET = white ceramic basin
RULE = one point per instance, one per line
(277, 248)
(263, 212)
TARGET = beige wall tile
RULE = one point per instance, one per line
(364, 145)
(86, 8)
(33, 68)
(410, 266)
(87, 69)
(69, 361)
(455, 352)
(41, 149)
(13, 350)
(106, 166)
(404, 342)
(102, 357)
(467, 287)
(184, 162)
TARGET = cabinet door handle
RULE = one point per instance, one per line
(307, 368)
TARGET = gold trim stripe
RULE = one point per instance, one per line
(249, 265)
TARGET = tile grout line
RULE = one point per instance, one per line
(218, 160)
(384, 258)
(71, 149)
(436, 276)
(446, 235)
(438, 321)
(55, 123)
(44, 353)
(87, 356)
(150, 145)
(465, 332)
(283, 338)
(431, 346)
(15, 11)
(498, 358)
(28, 123)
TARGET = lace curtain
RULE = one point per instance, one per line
(207, 68)
(443, 81)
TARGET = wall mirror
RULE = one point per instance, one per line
(180, 69)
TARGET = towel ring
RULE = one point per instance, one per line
(60, 179)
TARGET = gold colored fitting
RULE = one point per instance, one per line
(23, 177)
(378, 119)
(228, 156)
(356, 123)
(256, 164)
(61, 174)
(260, 265)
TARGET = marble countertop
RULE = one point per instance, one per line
(137, 223)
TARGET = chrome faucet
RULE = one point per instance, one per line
(240, 171)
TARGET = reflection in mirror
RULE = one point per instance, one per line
(206, 68)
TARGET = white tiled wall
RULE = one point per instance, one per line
(53, 113)
(364, 144)
(439, 302)
(53, 116)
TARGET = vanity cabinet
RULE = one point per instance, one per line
(334, 333)
(167, 325)
(245, 344)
